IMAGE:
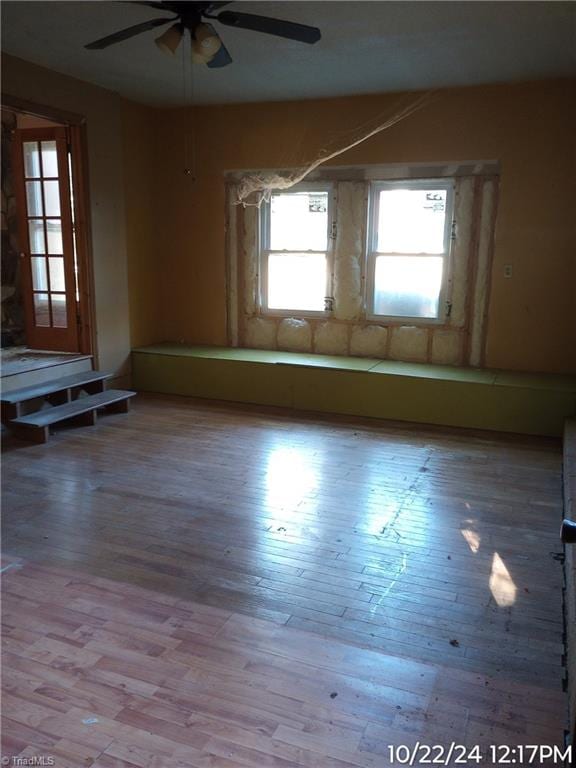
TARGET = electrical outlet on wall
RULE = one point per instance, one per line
(507, 270)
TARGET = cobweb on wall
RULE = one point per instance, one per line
(255, 188)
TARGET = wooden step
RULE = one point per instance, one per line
(35, 426)
(56, 391)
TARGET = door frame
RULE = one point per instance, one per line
(76, 126)
(41, 335)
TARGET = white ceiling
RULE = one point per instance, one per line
(366, 47)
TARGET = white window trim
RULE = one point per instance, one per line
(264, 251)
(372, 253)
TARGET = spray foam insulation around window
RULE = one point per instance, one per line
(295, 335)
(347, 330)
(349, 250)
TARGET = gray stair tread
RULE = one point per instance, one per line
(61, 412)
(52, 386)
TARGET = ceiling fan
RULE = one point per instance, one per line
(207, 47)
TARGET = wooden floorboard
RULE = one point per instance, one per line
(215, 586)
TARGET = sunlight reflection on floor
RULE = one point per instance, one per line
(292, 474)
(501, 585)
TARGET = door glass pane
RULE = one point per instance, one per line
(41, 309)
(54, 233)
(34, 198)
(49, 159)
(407, 286)
(297, 281)
(59, 319)
(52, 198)
(411, 221)
(39, 277)
(57, 282)
(31, 159)
(299, 221)
(36, 233)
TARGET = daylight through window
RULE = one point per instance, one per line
(410, 226)
(295, 250)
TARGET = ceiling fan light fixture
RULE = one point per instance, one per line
(169, 41)
(198, 58)
(205, 44)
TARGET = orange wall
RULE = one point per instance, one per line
(143, 225)
(103, 113)
(529, 128)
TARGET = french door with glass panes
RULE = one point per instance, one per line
(43, 200)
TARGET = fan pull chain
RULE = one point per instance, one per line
(188, 98)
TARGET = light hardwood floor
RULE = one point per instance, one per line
(215, 586)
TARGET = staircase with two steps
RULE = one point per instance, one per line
(29, 412)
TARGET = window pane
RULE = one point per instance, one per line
(54, 233)
(31, 159)
(41, 309)
(39, 277)
(59, 310)
(407, 286)
(299, 221)
(296, 281)
(57, 273)
(52, 198)
(36, 234)
(49, 159)
(411, 221)
(34, 198)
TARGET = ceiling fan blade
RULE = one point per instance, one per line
(301, 32)
(158, 6)
(220, 59)
(125, 34)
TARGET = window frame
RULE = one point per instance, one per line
(264, 250)
(444, 304)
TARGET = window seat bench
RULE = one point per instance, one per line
(506, 401)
